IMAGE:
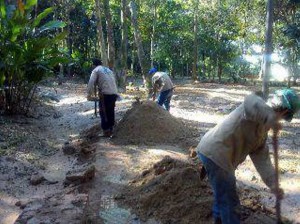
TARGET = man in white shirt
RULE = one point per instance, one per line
(104, 79)
(162, 83)
(244, 132)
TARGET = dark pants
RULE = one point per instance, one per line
(226, 201)
(107, 111)
(164, 98)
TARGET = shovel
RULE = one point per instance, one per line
(95, 100)
(278, 197)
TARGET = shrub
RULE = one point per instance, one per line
(29, 50)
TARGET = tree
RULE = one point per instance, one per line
(268, 48)
(138, 42)
(196, 42)
(168, 34)
(102, 41)
(110, 36)
(153, 33)
(124, 43)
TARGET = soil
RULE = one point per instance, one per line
(148, 123)
(56, 168)
(173, 192)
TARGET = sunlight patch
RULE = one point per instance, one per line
(8, 212)
(157, 151)
(197, 116)
(295, 121)
(71, 100)
(232, 91)
(279, 73)
(230, 94)
(88, 112)
(164, 152)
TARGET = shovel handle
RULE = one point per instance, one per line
(278, 198)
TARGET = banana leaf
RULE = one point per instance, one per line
(2, 9)
(41, 16)
(52, 25)
(30, 3)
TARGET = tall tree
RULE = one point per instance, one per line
(124, 41)
(196, 43)
(138, 42)
(102, 44)
(153, 33)
(268, 48)
(110, 35)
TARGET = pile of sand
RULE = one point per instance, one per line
(172, 192)
(148, 123)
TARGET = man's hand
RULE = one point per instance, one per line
(277, 127)
(153, 96)
(90, 98)
(279, 193)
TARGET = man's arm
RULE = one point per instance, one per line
(91, 86)
(155, 90)
(262, 162)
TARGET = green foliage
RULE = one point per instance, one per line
(224, 27)
(29, 52)
(227, 29)
(288, 36)
(80, 66)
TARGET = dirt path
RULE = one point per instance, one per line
(53, 201)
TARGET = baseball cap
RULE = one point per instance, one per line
(287, 98)
(152, 70)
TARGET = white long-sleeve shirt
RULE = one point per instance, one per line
(104, 79)
(162, 80)
(243, 132)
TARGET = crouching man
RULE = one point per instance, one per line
(161, 83)
(243, 132)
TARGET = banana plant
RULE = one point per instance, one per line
(29, 50)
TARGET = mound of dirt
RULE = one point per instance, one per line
(172, 192)
(148, 123)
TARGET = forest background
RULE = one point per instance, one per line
(215, 40)
(228, 41)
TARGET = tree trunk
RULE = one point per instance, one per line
(195, 53)
(153, 35)
(138, 42)
(110, 36)
(124, 44)
(187, 70)
(289, 77)
(268, 48)
(203, 65)
(36, 9)
(220, 71)
(69, 38)
(218, 55)
(101, 35)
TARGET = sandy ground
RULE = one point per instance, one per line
(200, 105)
